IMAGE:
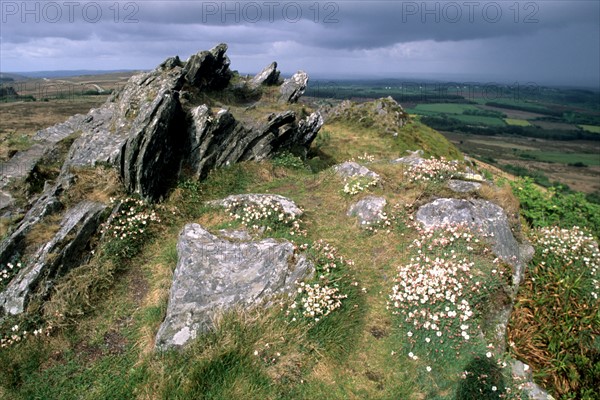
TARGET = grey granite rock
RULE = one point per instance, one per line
(215, 274)
(268, 76)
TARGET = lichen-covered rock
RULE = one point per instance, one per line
(215, 274)
(351, 169)
(523, 374)
(460, 186)
(293, 88)
(368, 210)
(268, 76)
(55, 258)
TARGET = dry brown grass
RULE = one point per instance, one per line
(43, 232)
(94, 184)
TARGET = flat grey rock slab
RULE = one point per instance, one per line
(214, 274)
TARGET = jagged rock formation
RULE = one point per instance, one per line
(148, 133)
(215, 274)
(293, 88)
(268, 76)
(218, 139)
(54, 258)
(351, 169)
(368, 210)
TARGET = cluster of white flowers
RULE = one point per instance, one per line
(357, 185)
(571, 246)
(7, 272)
(264, 212)
(131, 220)
(434, 291)
(431, 169)
(365, 157)
(383, 222)
(318, 301)
(16, 334)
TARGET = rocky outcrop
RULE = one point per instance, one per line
(215, 274)
(268, 76)
(385, 114)
(55, 258)
(368, 210)
(293, 88)
(149, 134)
(351, 169)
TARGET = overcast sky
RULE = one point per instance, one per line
(544, 42)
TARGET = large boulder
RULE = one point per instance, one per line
(215, 274)
(293, 88)
(54, 258)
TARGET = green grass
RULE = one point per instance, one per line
(480, 120)
(590, 128)
(444, 108)
(562, 158)
(517, 122)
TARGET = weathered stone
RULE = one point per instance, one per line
(214, 275)
(351, 169)
(286, 205)
(368, 210)
(460, 186)
(220, 140)
(293, 88)
(209, 69)
(414, 158)
(55, 258)
(268, 76)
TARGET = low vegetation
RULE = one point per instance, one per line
(396, 311)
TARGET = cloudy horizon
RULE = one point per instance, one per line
(544, 42)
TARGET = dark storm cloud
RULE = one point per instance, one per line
(557, 40)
